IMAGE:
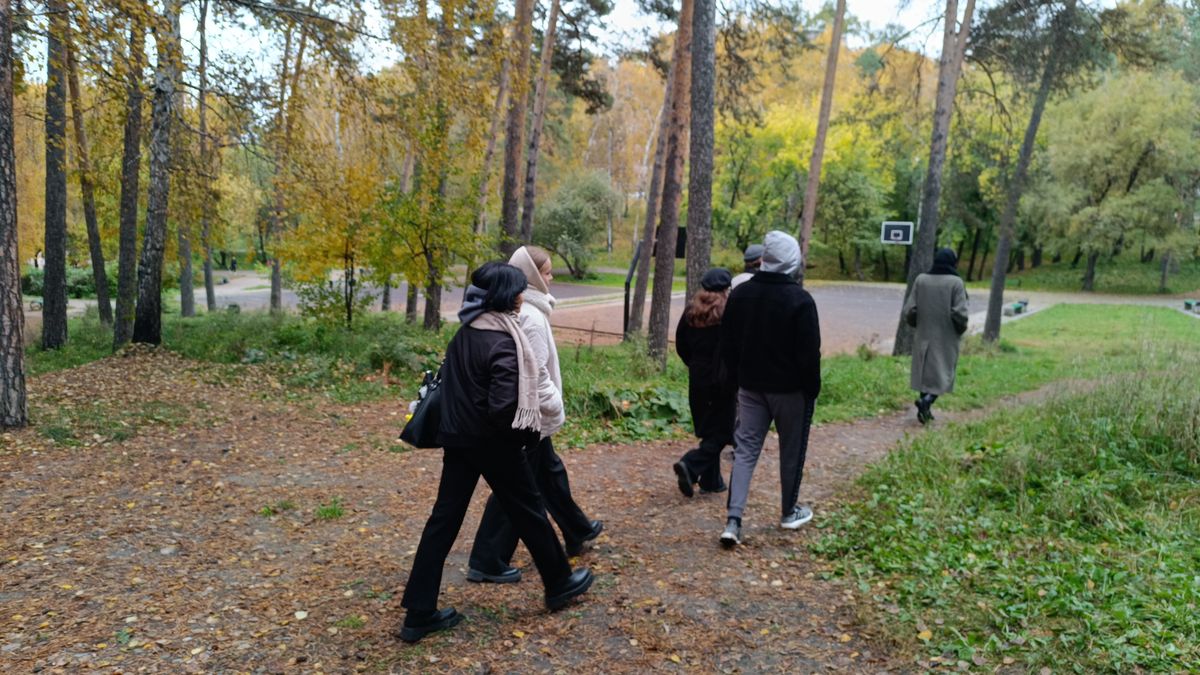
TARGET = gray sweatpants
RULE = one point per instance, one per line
(792, 414)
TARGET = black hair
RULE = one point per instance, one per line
(482, 277)
(505, 283)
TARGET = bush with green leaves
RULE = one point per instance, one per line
(568, 221)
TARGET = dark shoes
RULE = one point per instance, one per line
(576, 585)
(576, 547)
(509, 576)
(712, 490)
(686, 480)
(418, 624)
(924, 415)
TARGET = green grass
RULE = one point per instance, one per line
(617, 281)
(353, 622)
(277, 508)
(1061, 535)
(1125, 275)
(331, 511)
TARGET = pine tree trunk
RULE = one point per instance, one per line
(974, 250)
(515, 128)
(147, 325)
(131, 163)
(1008, 219)
(54, 294)
(13, 405)
(539, 118)
(700, 157)
(672, 190)
(206, 164)
(433, 295)
(809, 214)
(653, 199)
(954, 44)
(87, 191)
(183, 238)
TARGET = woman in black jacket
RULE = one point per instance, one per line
(712, 398)
(489, 412)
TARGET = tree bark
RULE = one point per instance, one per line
(1165, 271)
(54, 293)
(1089, 276)
(289, 83)
(13, 402)
(954, 44)
(385, 300)
(809, 213)
(131, 163)
(672, 190)
(1008, 220)
(147, 325)
(87, 190)
(183, 238)
(1035, 260)
(539, 118)
(410, 305)
(653, 199)
(206, 164)
(490, 153)
(515, 128)
(974, 249)
(700, 156)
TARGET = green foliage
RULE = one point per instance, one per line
(1062, 533)
(1122, 275)
(331, 510)
(569, 220)
(80, 281)
(277, 508)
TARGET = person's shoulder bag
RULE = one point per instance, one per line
(422, 427)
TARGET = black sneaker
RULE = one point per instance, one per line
(419, 624)
(923, 415)
(509, 576)
(732, 536)
(576, 547)
(576, 585)
(685, 479)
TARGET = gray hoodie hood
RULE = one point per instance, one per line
(472, 305)
(781, 253)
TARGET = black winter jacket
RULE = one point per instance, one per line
(479, 390)
(771, 338)
(699, 349)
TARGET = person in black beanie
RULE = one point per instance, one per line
(710, 395)
(937, 308)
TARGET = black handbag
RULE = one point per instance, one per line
(422, 428)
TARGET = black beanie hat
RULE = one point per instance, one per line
(717, 279)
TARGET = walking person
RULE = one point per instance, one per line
(713, 400)
(496, 540)
(489, 410)
(752, 258)
(771, 346)
(937, 308)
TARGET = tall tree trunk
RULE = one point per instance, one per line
(653, 199)
(433, 294)
(410, 304)
(987, 246)
(954, 45)
(700, 156)
(672, 190)
(515, 128)
(147, 325)
(539, 117)
(54, 294)
(385, 300)
(1166, 270)
(87, 191)
(1089, 276)
(1035, 261)
(490, 153)
(289, 84)
(809, 214)
(206, 164)
(131, 162)
(1008, 220)
(13, 406)
(183, 239)
(974, 249)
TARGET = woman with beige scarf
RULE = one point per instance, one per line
(489, 412)
(496, 541)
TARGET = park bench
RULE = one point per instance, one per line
(1015, 308)
(1191, 305)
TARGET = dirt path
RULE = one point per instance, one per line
(153, 554)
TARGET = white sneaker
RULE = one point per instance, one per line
(799, 516)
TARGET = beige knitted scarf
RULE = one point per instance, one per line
(528, 415)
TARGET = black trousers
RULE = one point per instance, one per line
(511, 478)
(714, 408)
(496, 539)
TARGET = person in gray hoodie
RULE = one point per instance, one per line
(771, 347)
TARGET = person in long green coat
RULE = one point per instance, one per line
(937, 308)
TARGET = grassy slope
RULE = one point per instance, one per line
(1062, 533)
